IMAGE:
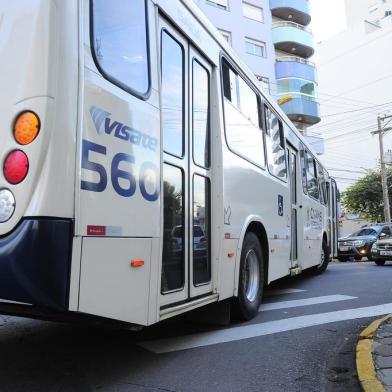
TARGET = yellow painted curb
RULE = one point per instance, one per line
(364, 359)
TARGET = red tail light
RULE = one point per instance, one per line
(16, 167)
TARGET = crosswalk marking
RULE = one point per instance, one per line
(305, 302)
(267, 328)
(270, 293)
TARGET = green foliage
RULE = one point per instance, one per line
(365, 196)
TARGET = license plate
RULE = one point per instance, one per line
(344, 248)
(386, 252)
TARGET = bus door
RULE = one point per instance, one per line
(185, 122)
(334, 218)
(293, 159)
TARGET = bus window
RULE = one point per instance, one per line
(275, 146)
(243, 134)
(200, 115)
(311, 176)
(303, 169)
(172, 95)
(119, 35)
(173, 229)
(201, 231)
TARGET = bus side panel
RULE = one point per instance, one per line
(111, 285)
(249, 190)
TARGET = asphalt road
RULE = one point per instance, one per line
(302, 340)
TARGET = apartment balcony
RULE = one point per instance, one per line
(293, 39)
(295, 67)
(297, 11)
(302, 109)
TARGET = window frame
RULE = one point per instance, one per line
(254, 6)
(223, 58)
(213, 3)
(255, 42)
(144, 96)
(226, 33)
(282, 138)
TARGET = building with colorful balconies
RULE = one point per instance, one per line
(296, 76)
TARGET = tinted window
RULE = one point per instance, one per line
(201, 230)
(200, 114)
(275, 145)
(172, 95)
(367, 231)
(173, 233)
(120, 42)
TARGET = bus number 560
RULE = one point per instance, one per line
(127, 186)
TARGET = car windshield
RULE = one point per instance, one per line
(365, 231)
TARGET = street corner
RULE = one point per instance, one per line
(374, 356)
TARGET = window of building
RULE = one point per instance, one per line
(264, 83)
(114, 26)
(276, 156)
(252, 12)
(226, 35)
(224, 4)
(243, 133)
(257, 48)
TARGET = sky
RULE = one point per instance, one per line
(328, 18)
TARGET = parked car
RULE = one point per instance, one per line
(359, 243)
(382, 250)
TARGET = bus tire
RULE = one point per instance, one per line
(251, 279)
(324, 260)
(379, 262)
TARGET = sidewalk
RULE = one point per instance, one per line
(374, 356)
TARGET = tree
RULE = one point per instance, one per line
(365, 196)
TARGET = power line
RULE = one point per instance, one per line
(356, 110)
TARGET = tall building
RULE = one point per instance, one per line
(272, 37)
(246, 25)
(295, 75)
(355, 79)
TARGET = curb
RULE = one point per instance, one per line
(364, 358)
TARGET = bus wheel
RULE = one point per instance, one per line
(379, 261)
(324, 260)
(251, 280)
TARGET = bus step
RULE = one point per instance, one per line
(295, 271)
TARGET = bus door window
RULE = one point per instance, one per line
(311, 176)
(173, 229)
(201, 226)
(172, 95)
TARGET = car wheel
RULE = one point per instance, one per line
(358, 258)
(379, 262)
(251, 280)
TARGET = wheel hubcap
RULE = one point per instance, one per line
(251, 276)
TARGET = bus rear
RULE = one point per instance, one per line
(38, 119)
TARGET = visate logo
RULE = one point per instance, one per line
(105, 125)
(99, 116)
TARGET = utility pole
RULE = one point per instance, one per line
(380, 131)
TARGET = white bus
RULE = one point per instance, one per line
(145, 173)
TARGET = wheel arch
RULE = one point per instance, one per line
(253, 224)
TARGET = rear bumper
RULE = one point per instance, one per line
(35, 262)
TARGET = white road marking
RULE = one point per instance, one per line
(254, 330)
(304, 302)
(282, 291)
